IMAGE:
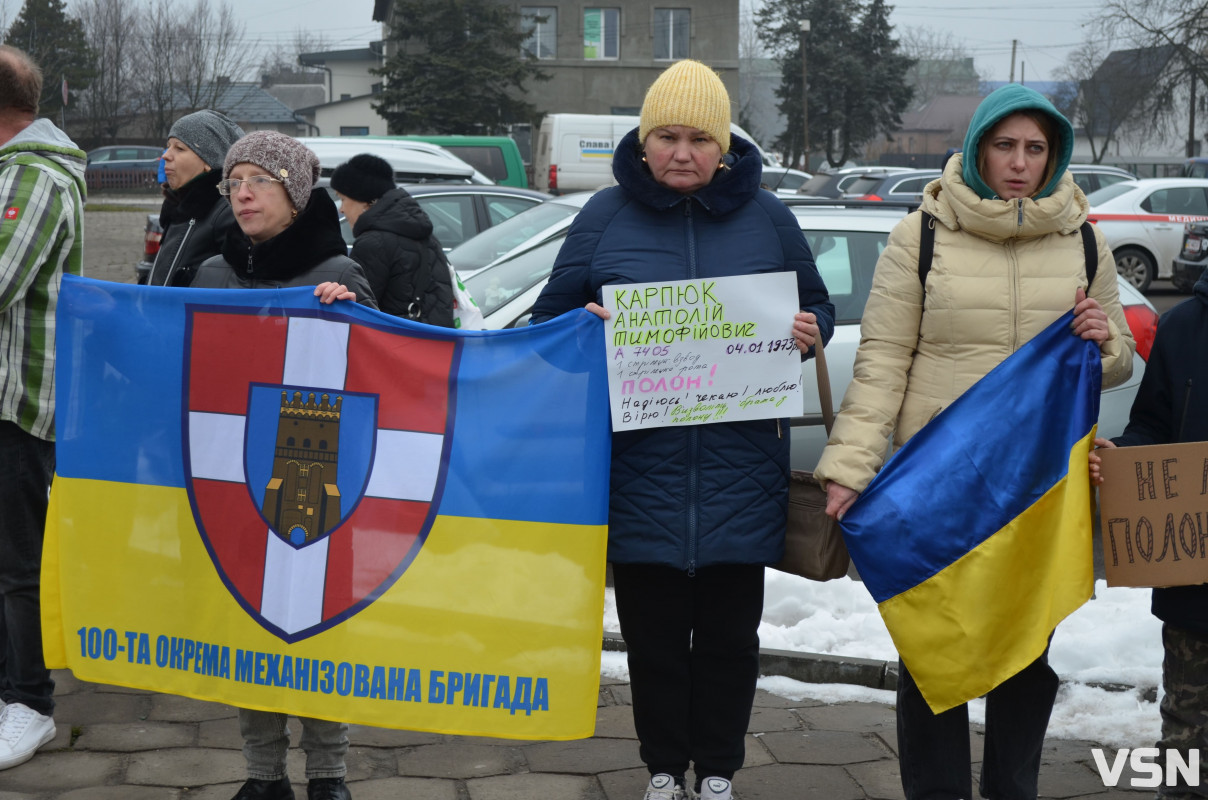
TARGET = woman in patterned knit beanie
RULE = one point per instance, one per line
(696, 511)
(287, 235)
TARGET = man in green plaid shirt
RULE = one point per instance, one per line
(41, 238)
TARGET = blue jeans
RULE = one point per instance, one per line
(933, 749)
(27, 465)
(266, 739)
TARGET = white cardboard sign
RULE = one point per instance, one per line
(704, 350)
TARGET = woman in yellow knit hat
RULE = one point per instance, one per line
(696, 512)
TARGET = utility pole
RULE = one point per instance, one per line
(1014, 44)
(805, 101)
(1191, 141)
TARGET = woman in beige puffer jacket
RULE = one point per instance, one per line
(1008, 261)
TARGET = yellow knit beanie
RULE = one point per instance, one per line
(688, 93)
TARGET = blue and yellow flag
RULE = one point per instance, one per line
(325, 510)
(975, 538)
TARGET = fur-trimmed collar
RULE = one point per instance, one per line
(730, 188)
(313, 237)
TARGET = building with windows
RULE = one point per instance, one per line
(601, 59)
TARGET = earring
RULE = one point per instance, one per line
(294, 214)
(643, 158)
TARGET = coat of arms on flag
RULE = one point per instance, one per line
(313, 472)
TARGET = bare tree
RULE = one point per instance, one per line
(212, 54)
(111, 29)
(1182, 27)
(750, 50)
(942, 64)
(187, 56)
(282, 58)
(1105, 93)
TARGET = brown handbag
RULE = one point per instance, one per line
(813, 543)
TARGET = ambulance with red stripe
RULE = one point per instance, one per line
(1143, 221)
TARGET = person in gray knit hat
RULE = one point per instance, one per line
(193, 217)
(282, 157)
(285, 236)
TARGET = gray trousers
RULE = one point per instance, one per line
(266, 740)
(1184, 708)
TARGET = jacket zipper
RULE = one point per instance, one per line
(693, 430)
(1183, 414)
(176, 255)
(249, 262)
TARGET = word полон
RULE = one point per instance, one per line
(514, 693)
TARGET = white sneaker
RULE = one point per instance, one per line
(663, 787)
(715, 789)
(22, 732)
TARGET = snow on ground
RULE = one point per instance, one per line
(1112, 640)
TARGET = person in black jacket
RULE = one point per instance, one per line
(404, 262)
(1172, 406)
(194, 217)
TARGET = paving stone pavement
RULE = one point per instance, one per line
(126, 744)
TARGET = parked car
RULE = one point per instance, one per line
(896, 186)
(846, 243)
(122, 167)
(537, 224)
(573, 152)
(497, 157)
(1143, 221)
(458, 212)
(1192, 258)
(834, 184)
(1093, 177)
(1196, 167)
(783, 180)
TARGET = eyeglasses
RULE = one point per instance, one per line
(257, 183)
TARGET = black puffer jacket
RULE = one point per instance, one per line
(195, 221)
(1172, 406)
(403, 261)
(309, 252)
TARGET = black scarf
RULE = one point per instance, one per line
(312, 237)
(191, 201)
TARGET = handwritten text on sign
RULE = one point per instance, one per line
(706, 350)
(1153, 508)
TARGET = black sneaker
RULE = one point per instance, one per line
(327, 789)
(265, 790)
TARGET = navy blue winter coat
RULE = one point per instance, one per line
(695, 495)
(1172, 406)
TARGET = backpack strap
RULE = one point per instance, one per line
(926, 247)
(1091, 250)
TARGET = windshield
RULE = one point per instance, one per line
(494, 287)
(480, 250)
(1109, 193)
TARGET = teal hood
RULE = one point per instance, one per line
(1003, 102)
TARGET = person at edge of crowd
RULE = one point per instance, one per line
(695, 512)
(194, 218)
(287, 235)
(1171, 407)
(403, 261)
(1008, 260)
(42, 193)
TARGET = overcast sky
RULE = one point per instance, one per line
(1046, 31)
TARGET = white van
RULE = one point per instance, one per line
(574, 151)
(411, 165)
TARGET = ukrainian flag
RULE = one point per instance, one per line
(326, 510)
(975, 538)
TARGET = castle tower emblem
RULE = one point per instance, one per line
(302, 500)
